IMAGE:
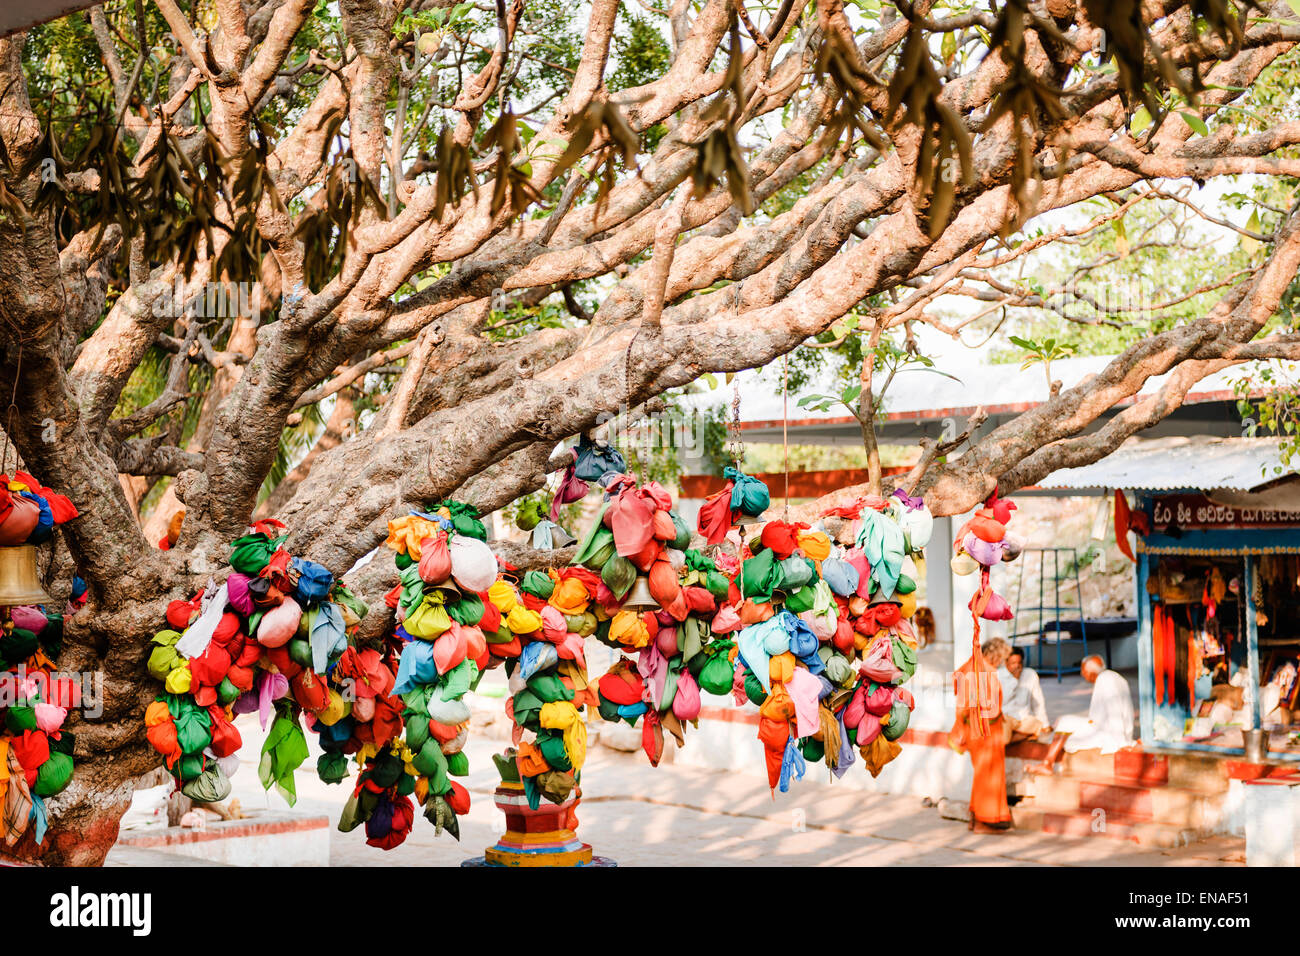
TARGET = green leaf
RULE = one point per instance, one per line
(1195, 122)
(1252, 224)
(1140, 121)
(1121, 239)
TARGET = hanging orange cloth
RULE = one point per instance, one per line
(1127, 520)
(1158, 620)
(978, 730)
(1122, 525)
(1170, 656)
(977, 691)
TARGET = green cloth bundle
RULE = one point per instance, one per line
(16, 647)
(904, 659)
(619, 574)
(538, 584)
(717, 673)
(251, 553)
(211, 786)
(464, 518)
(467, 611)
(760, 576)
(598, 544)
(283, 752)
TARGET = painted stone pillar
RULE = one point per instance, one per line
(540, 837)
(546, 836)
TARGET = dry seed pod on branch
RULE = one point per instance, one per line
(620, 140)
(512, 182)
(914, 99)
(719, 154)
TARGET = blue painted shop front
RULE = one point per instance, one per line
(1249, 557)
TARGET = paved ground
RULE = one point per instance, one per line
(683, 816)
(1070, 695)
(676, 815)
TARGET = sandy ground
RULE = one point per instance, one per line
(676, 815)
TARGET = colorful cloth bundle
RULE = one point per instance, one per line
(276, 638)
(817, 635)
(980, 544)
(827, 641)
(591, 463)
(29, 511)
(279, 638)
(35, 750)
(743, 495)
(453, 624)
(551, 612)
(382, 798)
(639, 537)
(661, 687)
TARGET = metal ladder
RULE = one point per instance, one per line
(1057, 608)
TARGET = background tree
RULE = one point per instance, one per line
(468, 231)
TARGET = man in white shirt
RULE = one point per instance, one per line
(1022, 697)
(1109, 724)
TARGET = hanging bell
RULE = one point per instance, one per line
(963, 564)
(19, 582)
(638, 599)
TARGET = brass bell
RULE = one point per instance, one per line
(638, 599)
(19, 582)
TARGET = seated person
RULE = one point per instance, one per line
(1022, 697)
(1109, 724)
(1275, 696)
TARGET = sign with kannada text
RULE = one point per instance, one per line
(1191, 511)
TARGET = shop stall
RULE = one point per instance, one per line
(1218, 580)
(1213, 526)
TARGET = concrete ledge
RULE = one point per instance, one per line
(263, 839)
(726, 739)
(121, 855)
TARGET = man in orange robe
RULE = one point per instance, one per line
(980, 730)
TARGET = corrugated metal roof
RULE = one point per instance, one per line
(20, 16)
(1163, 464)
(1008, 385)
(919, 393)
